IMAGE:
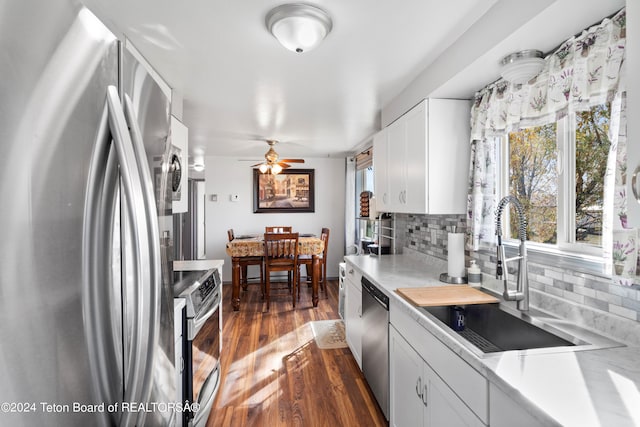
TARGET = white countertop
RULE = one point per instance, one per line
(573, 388)
(197, 264)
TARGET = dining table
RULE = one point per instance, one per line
(253, 245)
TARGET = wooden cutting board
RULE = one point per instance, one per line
(445, 295)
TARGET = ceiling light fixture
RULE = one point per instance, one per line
(273, 169)
(198, 162)
(298, 27)
(520, 67)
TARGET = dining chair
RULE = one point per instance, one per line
(281, 254)
(278, 229)
(307, 261)
(245, 262)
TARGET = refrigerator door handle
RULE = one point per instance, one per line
(103, 331)
(136, 210)
(153, 236)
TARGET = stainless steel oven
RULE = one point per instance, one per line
(202, 292)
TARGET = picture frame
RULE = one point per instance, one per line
(292, 190)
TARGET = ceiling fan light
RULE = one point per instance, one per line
(520, 67)
(276, 169)
(298, 27)
(263, 168)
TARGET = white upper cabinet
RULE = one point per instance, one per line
(421, 161)
(381, 177)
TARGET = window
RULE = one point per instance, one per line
(557, 172)
(533, 179)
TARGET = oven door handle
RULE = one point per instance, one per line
(207, 394)
(196, 324)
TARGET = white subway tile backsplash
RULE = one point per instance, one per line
(554, 274)
(573, 278)
(545, 279)
(582, 290)
(611, 299)
(580, 297)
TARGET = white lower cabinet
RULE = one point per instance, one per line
(353, 312)
(418, 396)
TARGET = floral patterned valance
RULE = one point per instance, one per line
(582, 72)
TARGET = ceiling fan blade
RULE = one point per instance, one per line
(257, 164)
(292, 160)
(284, 165)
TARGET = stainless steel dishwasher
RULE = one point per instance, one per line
(375, 342)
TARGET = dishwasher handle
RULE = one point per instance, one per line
(376, 293)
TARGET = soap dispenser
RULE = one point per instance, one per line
(474, 275)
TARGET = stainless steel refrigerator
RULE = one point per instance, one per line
(86, 309)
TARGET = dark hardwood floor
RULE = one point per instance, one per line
(273, 373)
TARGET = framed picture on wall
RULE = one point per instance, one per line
(292, 190)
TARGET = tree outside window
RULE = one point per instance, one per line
(533, 179)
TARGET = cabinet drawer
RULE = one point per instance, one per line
(353, 274)
(467, 383)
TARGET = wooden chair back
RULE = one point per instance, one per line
(281, 254)
(278, 229)
(324, 236)
(281, 249)
(230, 234)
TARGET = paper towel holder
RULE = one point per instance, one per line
(444, 277)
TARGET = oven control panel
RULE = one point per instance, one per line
(197, 289)
(209, 285)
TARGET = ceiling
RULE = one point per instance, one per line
(239, 85)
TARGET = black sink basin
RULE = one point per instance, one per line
(491, 329)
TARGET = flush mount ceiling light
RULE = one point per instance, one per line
(298, 27)
(520, 67)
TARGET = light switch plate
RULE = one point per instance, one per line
(234, 197)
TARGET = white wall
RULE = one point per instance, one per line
(225, 176)
(472, 61)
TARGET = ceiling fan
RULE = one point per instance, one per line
(273, 164)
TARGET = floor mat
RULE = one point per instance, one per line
(329, 333)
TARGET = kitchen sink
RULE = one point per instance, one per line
(493, 328)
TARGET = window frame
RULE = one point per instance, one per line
(566, 252)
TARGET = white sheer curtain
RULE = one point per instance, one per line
(584, 71)
(481, 201)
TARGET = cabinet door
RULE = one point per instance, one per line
(396, 165)
(504, 410)
(444, 408)
(380, 171)
(448, 156)
(406, 383)
(416, 194)
(353, 319)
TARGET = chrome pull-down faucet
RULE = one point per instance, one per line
(521, 294)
